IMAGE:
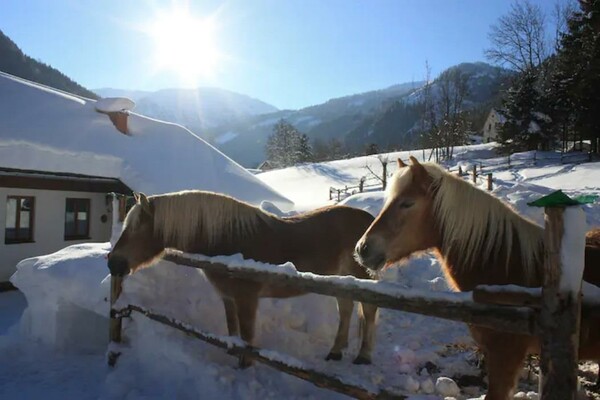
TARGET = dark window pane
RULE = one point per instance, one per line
(77, 218)
(11, 214)
(82, 228)
(19, 219)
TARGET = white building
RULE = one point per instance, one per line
(61, 154)
(491, 128)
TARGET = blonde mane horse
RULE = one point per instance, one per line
(321, 241)
(478, 239)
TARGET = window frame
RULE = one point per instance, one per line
(19, 240)
(77, 201)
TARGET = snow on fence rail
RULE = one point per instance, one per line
(552, 313)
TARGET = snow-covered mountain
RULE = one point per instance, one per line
(196, 109)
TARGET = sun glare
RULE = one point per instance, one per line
(185, 45)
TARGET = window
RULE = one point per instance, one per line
(77, 219)
(19, 219)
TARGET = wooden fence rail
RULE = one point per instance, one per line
(236, 346)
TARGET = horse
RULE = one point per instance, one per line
(478, 240)
(321, 241)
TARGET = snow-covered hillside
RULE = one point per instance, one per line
(412, 352)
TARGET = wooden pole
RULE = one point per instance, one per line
(474, 173)
(271, 359)
(460, 308)
(561, 304)
(122, 208)
(460, 171)
(116, 285)
(490, 185)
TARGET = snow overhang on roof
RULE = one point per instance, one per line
(48, 130)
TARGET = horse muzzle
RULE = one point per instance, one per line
(368, 255)
(118, 266)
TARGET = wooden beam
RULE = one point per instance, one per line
(453, 306)
(560, 314)
(116, 285)
(292, 367)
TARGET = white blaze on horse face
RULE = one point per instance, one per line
(401, 179)
(132, 218)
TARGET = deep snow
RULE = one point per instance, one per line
(412, 351)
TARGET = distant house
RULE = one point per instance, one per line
(265, 166)
(491, 128)
(61, 155)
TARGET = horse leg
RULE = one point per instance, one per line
(246, 316)
(367, 328)
(504, 356)
(345, 308)
(233, 326)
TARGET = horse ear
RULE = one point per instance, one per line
(401, 163)
(414, 161)
(143, 200)
(418, 168)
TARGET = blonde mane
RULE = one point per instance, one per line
(182, 218)
(476, 225)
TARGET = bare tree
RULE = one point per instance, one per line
(519, 37)
(563, 9)
(383, 160)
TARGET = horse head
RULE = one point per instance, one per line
(405, 224)
(137, 244)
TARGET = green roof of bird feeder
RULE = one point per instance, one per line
(559, 199)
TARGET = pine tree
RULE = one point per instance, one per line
(577, 79)
(304, 152)
(526, 127)
(287, 146)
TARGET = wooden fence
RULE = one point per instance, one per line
(531, 158)
(548, 313)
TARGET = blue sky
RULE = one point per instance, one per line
(289, 53)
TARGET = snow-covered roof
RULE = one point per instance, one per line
(44, 129)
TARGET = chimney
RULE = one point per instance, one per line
(117, 109)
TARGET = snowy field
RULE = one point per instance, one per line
(54, 344)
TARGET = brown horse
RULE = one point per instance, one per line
(321, 241)
(478, 240)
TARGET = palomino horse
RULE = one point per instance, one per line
(321, 241)
(478, 240)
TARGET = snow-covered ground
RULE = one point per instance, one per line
(412, 351)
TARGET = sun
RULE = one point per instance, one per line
(185, 44)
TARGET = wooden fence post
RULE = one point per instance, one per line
(116, 283)
(490, 185)
(564, 241)
(361, 184)
(339, 195)
(460, 172)
(475, 173)
(122, 208)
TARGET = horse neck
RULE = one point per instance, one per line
(498, 269)
(253, 246)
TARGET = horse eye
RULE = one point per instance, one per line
(407, 204)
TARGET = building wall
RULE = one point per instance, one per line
(490, 129)
(49, 225)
